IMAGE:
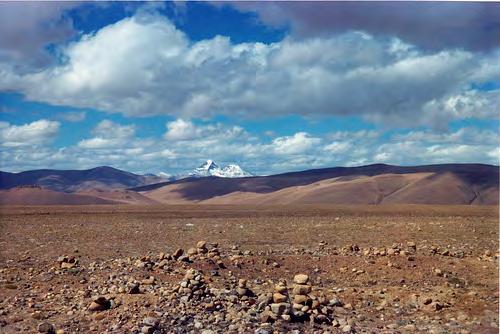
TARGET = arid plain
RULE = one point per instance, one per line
(232, 269)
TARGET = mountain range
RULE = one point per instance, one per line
(475, 184)
(210, 168)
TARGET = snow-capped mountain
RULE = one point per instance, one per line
(210, 168)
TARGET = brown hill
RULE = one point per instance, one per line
(76, 180)
(411, 188)
(119, 196)
(373, 184)
(39, 196)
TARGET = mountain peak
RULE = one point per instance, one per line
(210, 168)
(208, 165)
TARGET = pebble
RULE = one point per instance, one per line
(347, 329)
(45, 327)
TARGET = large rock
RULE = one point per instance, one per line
(178, 253)
(301, 279)
(279, 298)
(100, 304)
(300, 299)
(280, 308)
(301, 289)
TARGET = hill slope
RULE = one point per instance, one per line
(416, 188)
(76, 180)
(39, 196)
(374, 184)
(449, 183)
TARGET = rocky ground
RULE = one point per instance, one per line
(192, 269)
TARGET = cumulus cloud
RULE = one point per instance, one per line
(298, 143)
(467, 144)
(144, 65)
(28, 27)
(181, 130)
(432, 25)
(37, 133)
(120, 145)
(108, 134)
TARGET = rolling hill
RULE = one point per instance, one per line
(465, 184)
(40, 196)
(76, 180)
(437, 184)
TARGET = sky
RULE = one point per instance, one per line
(272, 86)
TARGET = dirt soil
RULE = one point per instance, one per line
(372, 269)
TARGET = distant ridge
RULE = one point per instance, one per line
(479, 172)
(476, 184)
(456, 184)
(103, 177)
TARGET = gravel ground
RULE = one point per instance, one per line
(226, 269)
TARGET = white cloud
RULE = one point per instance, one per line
(296, 144)
(337, 147)
(181, 130)
(119, 145)
(108, 135)
(424, 147)
(37, 133)
(143, 65)
(472, 136)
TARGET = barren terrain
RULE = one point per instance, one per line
(371, 269)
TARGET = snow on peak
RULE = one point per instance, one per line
(208, 165)
(210, 168)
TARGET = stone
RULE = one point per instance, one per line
(45, 327)
(192, 251)
(178, 253)
(286, 317)
(300, 299)
(301, 279)
(99, 304)
(201, 244)
(280, 288)
(133, 289)
(67, 265)
(242, 291)
(148, 281)
(151, 321)
(301, 289)
(266, 316)
(279, 298)
(279, 308)
(147, 330)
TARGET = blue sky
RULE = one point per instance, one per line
(275, 87)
